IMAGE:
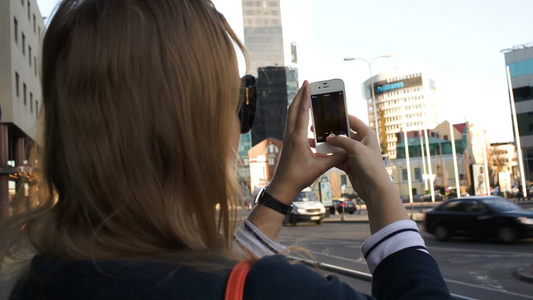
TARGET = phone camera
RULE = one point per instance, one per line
(319, 87)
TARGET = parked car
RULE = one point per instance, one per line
(306, 208)
(480, 216)
(349, 205)
(427, 197)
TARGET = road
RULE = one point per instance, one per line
(472, 268)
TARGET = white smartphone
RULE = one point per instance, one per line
(330, 113)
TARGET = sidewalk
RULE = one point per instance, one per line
(362, 216)
(525, 274)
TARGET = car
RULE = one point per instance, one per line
(306, 208)
(479, 216)
(344, 203)
(427, 197)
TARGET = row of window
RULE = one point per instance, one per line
(33, 102)
(520, 68)
(399, 101)
(398, 78)
(263, 22)
(398, 127)
(260, 3)
(408, 116)
(31, 58)
(398, 92)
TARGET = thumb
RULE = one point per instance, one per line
(342, 141)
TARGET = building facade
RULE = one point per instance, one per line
(519, 59)
(263, 159)
(503, 158)
(276, 88)
(21, 29)
(441, 169)
(263, 33)
(404, 101)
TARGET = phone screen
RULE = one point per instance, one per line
(329, 113)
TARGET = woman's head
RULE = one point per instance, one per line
(140, 98)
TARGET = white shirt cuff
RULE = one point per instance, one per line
(391, 239)
(251, 239)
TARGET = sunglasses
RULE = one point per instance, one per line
(248, 102)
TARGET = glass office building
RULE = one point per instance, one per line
(519, 59)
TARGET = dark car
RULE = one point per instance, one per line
(478, 216)
(349, 205)
(425, 198)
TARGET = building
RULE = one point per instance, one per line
(263, 33)
(21, 32)
(404, 101)
(502, 157)
(441, 157)
(263, 158)
(276, 88)
(519, 59)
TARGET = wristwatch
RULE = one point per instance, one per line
(264, 198)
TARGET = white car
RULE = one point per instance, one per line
(306, 208)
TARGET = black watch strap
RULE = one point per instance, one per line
(264, 198)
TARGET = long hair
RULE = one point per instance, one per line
(138, 102)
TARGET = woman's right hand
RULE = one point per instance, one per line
(368, 175)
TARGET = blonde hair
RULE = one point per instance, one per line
(139, 98)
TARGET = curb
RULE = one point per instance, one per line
(525, 274)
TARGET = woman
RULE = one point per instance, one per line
(141, 127)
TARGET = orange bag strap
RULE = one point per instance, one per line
(235, 286)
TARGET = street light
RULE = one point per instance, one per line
(372, 88)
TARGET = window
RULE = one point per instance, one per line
(33, 23)
(404, 174)
(23, 44)
(29, 54)
(29, 10)
(24, 90)
(16, 29)
(36, 108)
(418, 174)
(343, 180)
(35, 65)
(17, 78)
(31, 102)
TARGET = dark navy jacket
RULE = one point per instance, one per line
(407, 274)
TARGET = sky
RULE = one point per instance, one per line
(459, 41)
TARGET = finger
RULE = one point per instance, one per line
(331, 160)
(292, 113)
(343, 142)
(303, 107)
(311, 143)
(359, 126)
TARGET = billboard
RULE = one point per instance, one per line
(504, 178)
(479, 178)
(385, 86)
(325, 193)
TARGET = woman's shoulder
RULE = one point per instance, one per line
(274, 277)
(118, 279)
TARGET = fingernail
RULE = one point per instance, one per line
(331, 134)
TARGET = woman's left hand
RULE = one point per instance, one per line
(298, 167)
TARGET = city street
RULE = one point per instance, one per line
(472, 268)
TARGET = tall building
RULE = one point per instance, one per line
(276, 87)
(519, 59)
(404, 101)
(21, 28)
(263, 33)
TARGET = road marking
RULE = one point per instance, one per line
(488, 288)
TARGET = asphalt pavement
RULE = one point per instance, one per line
(416, 213)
